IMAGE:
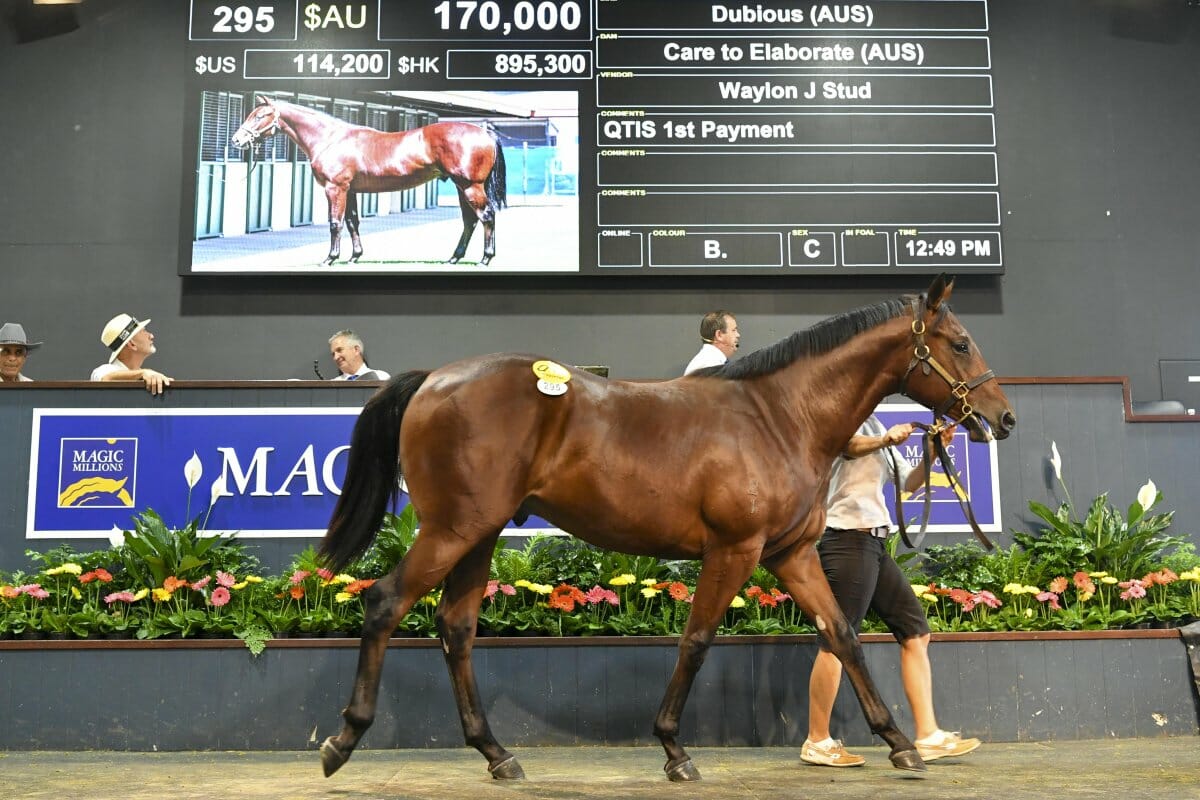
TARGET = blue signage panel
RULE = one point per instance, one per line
(263, 472)
(975, 463)
(277, 472)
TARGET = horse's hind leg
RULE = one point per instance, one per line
(721, 576)
(469, 219)
(799, 570)
(457, 617)
(432, 556)
(336, 195)
(356, 248)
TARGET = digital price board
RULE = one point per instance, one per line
(596, 137)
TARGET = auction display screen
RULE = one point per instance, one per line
(619, 137)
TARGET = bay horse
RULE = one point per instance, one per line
(347, 159)
(728, 465)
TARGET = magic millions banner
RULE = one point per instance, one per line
(277, 472)
(975, 463)
(263, 471)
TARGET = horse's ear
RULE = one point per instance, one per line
(939, 292)
(262, 100)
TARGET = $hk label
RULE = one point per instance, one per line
(347, 15)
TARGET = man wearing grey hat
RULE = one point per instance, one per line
(131, 344)
(14, 348)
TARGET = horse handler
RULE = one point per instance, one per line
(864, 576)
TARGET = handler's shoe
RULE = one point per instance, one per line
(944, 744)
(829, 753)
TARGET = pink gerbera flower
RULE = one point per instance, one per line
(200, 584)
(123, 597)
(225, 579)
(220, 596)
(299, 575)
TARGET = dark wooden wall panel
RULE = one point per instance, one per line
(753, 694)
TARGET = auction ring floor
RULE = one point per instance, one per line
(1167, 767)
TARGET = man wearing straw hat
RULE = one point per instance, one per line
(131, 344)
(14, 348)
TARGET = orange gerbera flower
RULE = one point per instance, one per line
(753, 591)
(678, 591)
(354, 587)
(172, 583)
(767, 599)
(564, 597)
(1058, 585)
(296, 592)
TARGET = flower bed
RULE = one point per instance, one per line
(1107, 570)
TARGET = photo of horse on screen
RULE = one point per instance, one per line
(347, 159)
(410, 176)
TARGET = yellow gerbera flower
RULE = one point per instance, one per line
(1109, 579)
(738, 602)
(650, 591)
(622, 580)
(343, 597)
(343, 578)
(141, 594)
(241, 585)
(161, 595)
(649, 581)
(70, 567)
(523, 584)
(252, 579)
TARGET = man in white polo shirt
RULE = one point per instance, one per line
(130, 344)
(720, 335)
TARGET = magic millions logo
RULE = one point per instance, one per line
(97, 473)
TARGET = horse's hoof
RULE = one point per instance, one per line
(680, 771)
(908, 759)
(483, 262)
(507, 770)
(331, 758)
(354, 258)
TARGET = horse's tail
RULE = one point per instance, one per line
(372, 472)
(496, 187)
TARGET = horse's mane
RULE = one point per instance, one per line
(820, 338)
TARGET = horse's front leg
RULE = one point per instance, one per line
(356, 248)
(457, 617)
(799, 570)
(336, 195)
(721, 575)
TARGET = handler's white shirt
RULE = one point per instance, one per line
(855, 497)
(709, 356)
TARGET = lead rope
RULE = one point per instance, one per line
(932, 438)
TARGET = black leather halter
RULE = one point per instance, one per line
(932, 438)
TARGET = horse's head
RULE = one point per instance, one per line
(261, 122)
(947, 372)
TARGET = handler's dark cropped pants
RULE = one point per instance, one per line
(864, 577)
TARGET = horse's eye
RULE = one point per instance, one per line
(962, 347)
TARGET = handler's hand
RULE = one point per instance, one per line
(897, 434)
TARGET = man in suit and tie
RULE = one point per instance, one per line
(346, 349)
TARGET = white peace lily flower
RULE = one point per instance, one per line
(116, 537)
(218, 490)
(192, 470)
(1055, 461)
(1147, 495)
